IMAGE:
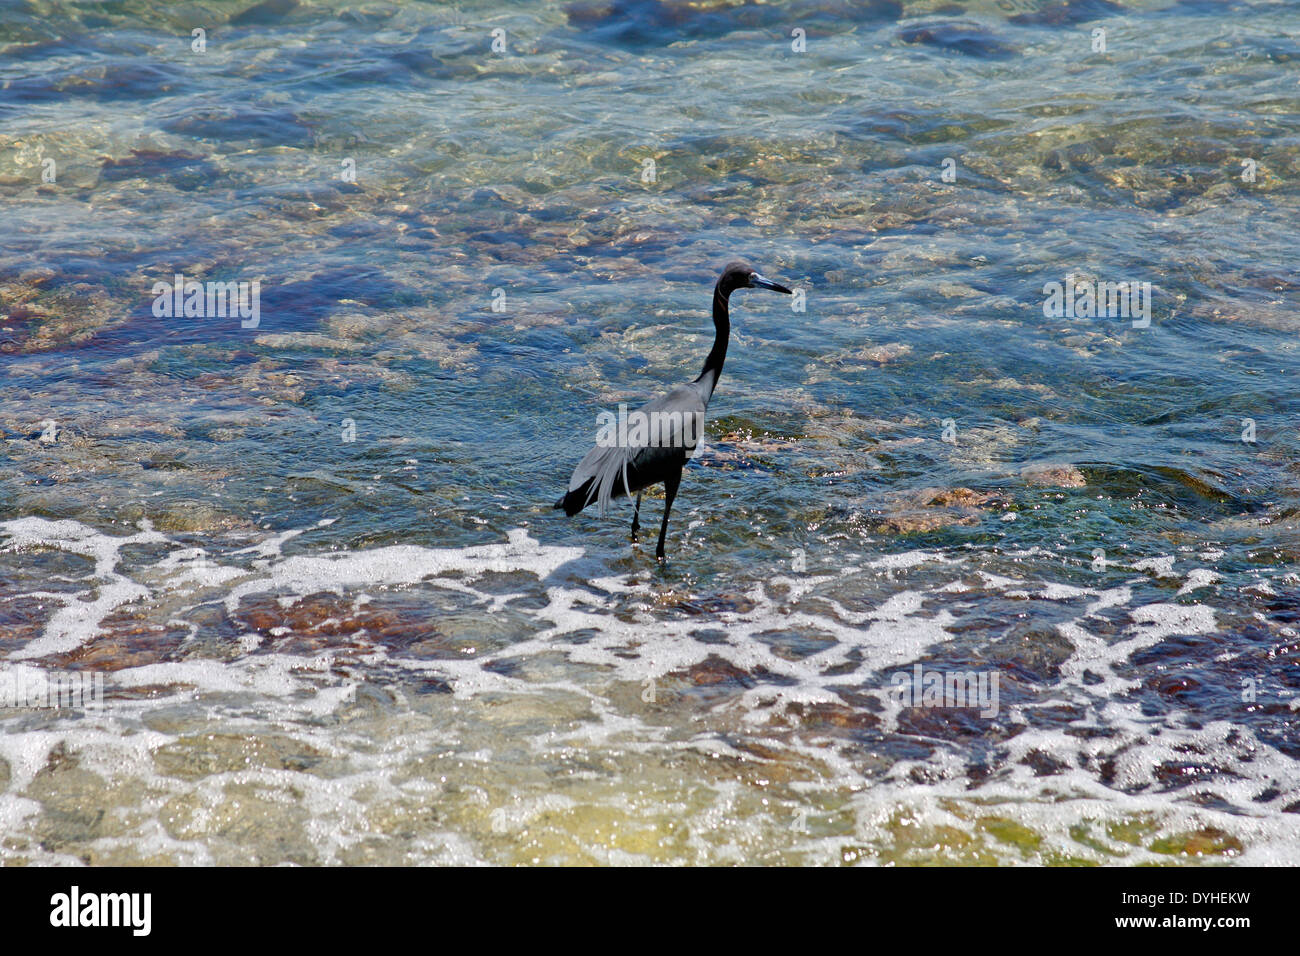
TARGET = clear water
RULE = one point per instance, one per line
(391, 650)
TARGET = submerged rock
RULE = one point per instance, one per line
(37, 321)
(1208, 841)
(184, 171)
(643, 22)
(1054, 476)
(1061, 12)
(960, 36)
(930, 509)
(201, 755)
(243, 123)
(264, 13)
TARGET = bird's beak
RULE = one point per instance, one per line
(758, 280)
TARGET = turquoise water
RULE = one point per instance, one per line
(315, 558)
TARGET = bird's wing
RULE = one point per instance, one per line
(655, 439)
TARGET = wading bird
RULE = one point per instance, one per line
(655, 441)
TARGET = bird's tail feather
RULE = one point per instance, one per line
(599, 490)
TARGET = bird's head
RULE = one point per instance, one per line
(738, 275)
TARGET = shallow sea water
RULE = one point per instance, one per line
(315, 560)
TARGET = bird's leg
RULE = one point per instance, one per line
(670, 492)
(636, 516)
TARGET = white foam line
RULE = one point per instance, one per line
(1161, 567)
(1198, 578)
(397, 565)
(78, 620)
(81, 617)
(631, 639)
(910, 559)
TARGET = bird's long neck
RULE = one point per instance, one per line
(712, 370)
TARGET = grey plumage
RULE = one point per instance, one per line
(673, 423)
(612, 471)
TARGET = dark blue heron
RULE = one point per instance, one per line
(654, 442)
